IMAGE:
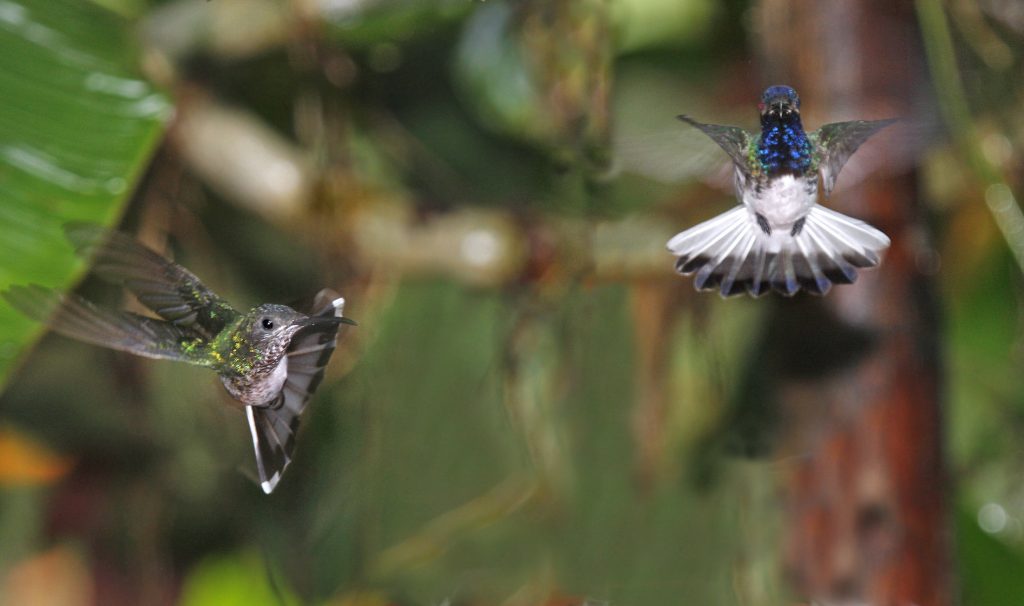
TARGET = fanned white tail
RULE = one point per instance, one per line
(732, 253)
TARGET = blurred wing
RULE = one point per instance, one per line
(734, 140)
(74, 317)
(836, 142)
(273, 427)
(896, 150)
(167, 288)
(673, 157)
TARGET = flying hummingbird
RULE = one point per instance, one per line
(270, 359)
(780, 237)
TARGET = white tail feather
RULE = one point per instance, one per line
(732, 253)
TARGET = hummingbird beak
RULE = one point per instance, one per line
(326, 321)
(782, 107)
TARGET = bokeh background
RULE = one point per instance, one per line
(534, 409)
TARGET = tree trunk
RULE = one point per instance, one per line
(867, 509)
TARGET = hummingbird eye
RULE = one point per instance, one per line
(267, 323)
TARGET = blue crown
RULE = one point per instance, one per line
(780, 90)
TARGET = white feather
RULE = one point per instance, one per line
(732, 253)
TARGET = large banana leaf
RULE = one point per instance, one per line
(77, 127)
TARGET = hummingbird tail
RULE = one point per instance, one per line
(274, 426)
(273, 437)
(733, 253)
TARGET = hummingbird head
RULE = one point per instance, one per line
(269, 328)
(783, 147)
(779, 102)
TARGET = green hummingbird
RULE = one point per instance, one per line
(270, 359)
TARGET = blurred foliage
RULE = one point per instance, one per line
(240, 580)
(547, 439)
(992, 572)
(76, 131)
(23, 461)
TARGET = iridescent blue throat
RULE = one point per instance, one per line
(784, 146)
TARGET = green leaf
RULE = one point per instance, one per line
(77, 128)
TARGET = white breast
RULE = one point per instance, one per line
(783, 200)
(275, 382)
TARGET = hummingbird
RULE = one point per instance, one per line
(779, 238)
(270, 359)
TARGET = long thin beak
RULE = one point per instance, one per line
(325, 321)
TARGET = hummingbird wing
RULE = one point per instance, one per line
(74, 317)
(672, 157)
(733, 139)
(165, 287)
(836, 142)
(273, 427)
